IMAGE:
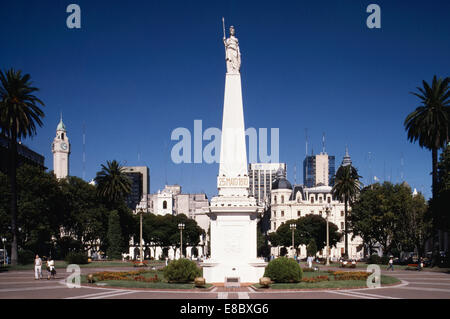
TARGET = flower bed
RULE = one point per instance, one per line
(125, 275)
(315, 279)
(350, 275)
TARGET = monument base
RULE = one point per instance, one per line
(231, 273)
(233, 241)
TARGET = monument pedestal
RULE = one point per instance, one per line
(233, 241)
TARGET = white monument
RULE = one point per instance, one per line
(61, 151)
(233, 213)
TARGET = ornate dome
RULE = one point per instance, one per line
(281, 182)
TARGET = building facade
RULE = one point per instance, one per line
(61, 151)
(171, 200)
(292, 202)
(140, 184)
(261, 176)
(24, 155)
(318, 170)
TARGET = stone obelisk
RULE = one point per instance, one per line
(233, 213)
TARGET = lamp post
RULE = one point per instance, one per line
(181, 227)
(327, 208)
(141, 255)
(293, 227)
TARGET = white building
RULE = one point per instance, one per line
(171, 200)
(61, 151)
(289, 202)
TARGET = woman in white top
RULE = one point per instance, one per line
(51, 268)
(37, 268)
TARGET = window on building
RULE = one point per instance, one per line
(320, 199)
(312, 200)
(342, 225)
(164, 204)
(274, 214)
(274, 225)
(342, 213)
(282, 199)
(329, 199)
(298, 213)
(282, 213)
(342, 251)
(275, 199)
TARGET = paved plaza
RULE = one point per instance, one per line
(22, 285)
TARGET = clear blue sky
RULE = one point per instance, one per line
(136, 70)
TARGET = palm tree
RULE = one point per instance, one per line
(19, 115)
(346, 187)
(112, 184)
(429, 123)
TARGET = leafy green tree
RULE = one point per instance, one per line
(346, 188)
(311, 248)
(114, 236)
(309, 227)
(86, 219)
(19, 115)
(441, 203)
(112, 183)
(391, 216)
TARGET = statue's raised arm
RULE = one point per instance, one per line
(233, 54)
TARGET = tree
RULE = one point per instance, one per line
(346, 188)
(429, 123)
(311, 249)
(309, 227)
(112, 183)
(86, 219)
(441, 203)
(19, 115)
(114, 236)
(391, 216)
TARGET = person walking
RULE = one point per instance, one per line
(391, 264)
(51, 268)
(37, 268)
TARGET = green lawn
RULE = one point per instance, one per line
(385, 280)
(163, 284)
(93, 264)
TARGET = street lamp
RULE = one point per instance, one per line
(181, 227)
(141, 255)
(327, 208)
(293, 227)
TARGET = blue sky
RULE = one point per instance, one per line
(136, 70)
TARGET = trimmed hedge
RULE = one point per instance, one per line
(77, 258)
(284, 270)
(375, 259)
(182, 270)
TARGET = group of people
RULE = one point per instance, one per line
(50, 263)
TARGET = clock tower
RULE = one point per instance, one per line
(61, 151)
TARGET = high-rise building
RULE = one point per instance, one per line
(140, 184)
(61, 151)
(261, 177)
(24, 155)
(318, 170)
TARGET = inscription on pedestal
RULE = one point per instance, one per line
(223, 182)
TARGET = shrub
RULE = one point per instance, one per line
(316, 279)
(25, 257)
(350, 275)
(77, 258)
(284, 269)
(182, 270)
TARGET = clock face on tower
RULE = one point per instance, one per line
(64, 146)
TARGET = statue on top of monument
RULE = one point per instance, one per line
(232, 52)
